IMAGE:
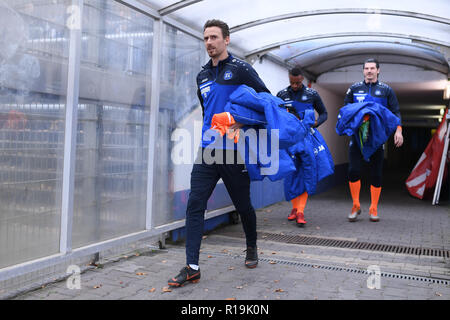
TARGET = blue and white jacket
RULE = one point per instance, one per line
(382, 124)
(304, 99)
(378, 92)
(303, 156)
(313, 162)
(262, 111)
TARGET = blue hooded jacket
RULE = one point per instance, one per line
(262, 111)
(304, 158)
(313, 161)
(382, 124)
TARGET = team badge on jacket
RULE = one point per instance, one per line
(227, 75)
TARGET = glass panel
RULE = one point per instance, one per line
(182, 58)
(114, 112)
(33, 71)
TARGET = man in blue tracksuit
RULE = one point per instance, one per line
(217, 80)
(301, 98)
(370, 90)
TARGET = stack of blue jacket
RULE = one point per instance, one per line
(382, 124)
(313, 161)
(303, 156)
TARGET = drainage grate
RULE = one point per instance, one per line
(348, 244)
(360, 271)
(338, 268)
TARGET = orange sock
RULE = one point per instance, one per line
(294, 203)
(299, 203)
(374, 196)
(355, 187)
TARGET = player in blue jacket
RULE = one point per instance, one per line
(370, 90)
(216, 81)
(301, 98)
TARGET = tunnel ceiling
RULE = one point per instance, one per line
(322, 36)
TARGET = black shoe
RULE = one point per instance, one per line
(186, 274)
(251, 259)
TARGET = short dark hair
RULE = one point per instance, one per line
(372, 60)
(296, 71)
(218, 23)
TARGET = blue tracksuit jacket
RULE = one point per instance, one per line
(215, 84)
(262, 111)
(382, 124)
(304, 158)
(378, 92)
(304, 99)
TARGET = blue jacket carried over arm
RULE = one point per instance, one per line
(303, 158)
(263, 109)
(282, 130)
(382, 124)
(313, 161)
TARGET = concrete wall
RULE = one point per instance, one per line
(274, 76)
(338, 145)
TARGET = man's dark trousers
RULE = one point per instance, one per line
(204, 178)
(356, 162)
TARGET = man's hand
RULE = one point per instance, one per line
(398, 137)
(236, 126)
(233, 131)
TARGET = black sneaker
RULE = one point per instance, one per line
(251, 259)
(186, 274)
